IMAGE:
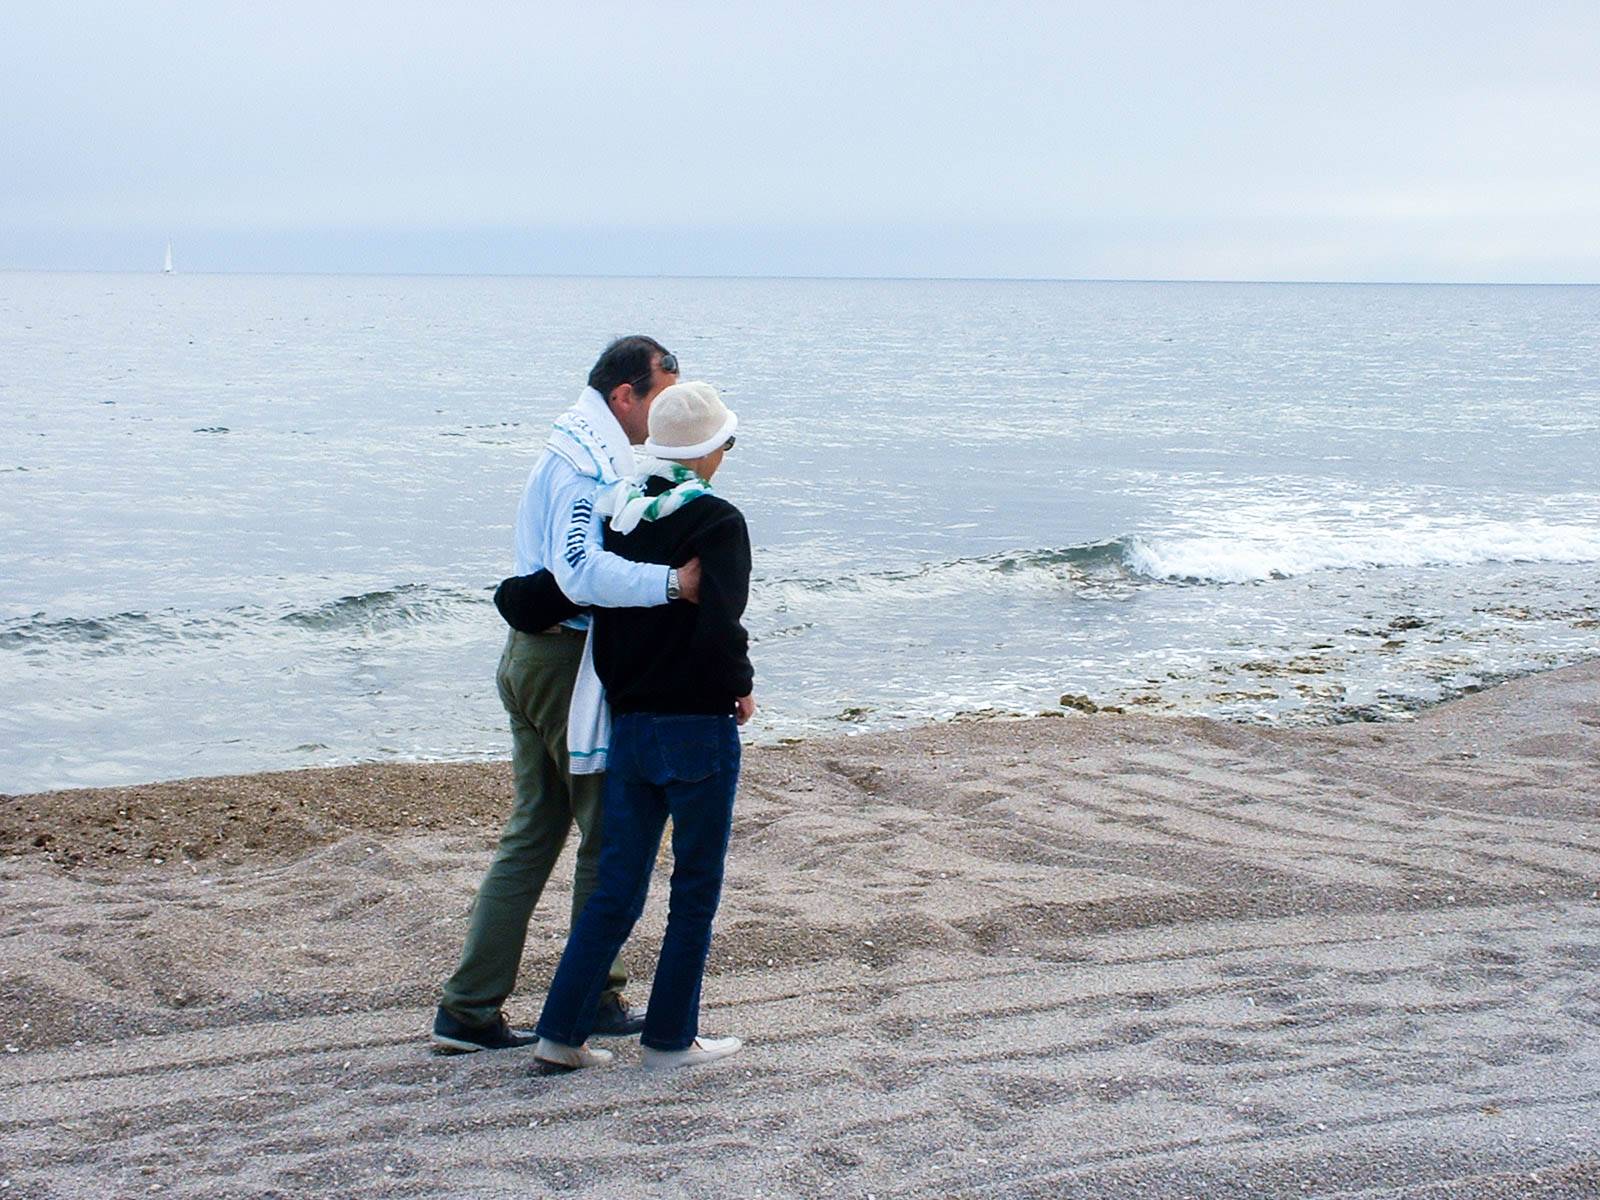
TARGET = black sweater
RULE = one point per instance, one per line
(681, 657)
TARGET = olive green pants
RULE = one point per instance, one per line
(535, 678)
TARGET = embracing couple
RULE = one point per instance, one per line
(626, 675)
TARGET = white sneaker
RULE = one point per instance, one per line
(553, 1056)
(701, 1050)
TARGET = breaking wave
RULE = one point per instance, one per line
(394, 608)
(106, 634)
(1281, 553)
(1039, 571)
(376, 612)
(1120, 564)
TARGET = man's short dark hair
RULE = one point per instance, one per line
(626, 360)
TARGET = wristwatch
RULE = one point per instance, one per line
(674, 592)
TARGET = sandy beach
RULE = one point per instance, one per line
(1095, 956)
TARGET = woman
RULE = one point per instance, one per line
(678, 680)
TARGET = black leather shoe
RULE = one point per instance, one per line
(451, 1035)
(615, 1018)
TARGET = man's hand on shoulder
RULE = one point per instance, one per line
(744, 708)
(689, 581)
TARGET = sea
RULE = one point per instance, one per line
(254, 522)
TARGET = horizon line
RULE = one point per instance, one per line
(159, 273)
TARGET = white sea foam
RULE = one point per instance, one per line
(1045, 573)
(1278, 552)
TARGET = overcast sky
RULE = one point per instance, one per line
(1341, 141)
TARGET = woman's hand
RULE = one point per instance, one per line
(744, 708)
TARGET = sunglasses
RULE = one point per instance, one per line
(728, 445)
(668, 362)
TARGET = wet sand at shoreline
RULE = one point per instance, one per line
(1095, 956)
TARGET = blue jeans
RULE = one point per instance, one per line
(535, 680)
(660, 765)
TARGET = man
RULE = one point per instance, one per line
(679, 683)
(591, 445)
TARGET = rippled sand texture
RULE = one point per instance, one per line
(1089, 956)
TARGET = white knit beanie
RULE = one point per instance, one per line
(688, 420)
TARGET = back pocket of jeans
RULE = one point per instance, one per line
(690, 747)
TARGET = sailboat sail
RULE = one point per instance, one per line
(167, 269)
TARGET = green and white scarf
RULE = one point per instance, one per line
(588, 714)
(627, 505)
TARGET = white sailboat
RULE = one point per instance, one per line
(167, 268)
